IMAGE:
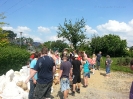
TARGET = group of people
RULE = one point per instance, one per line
(43, 67)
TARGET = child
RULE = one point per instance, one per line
(107, 65)
(93, 62)
(86, 70)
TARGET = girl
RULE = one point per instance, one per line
(86, 71)
(93, 62)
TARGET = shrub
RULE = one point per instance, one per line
(12, 58)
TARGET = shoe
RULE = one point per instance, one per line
(78, 90)
(73, 93)
(84, 86)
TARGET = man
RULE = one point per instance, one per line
(99, 56)
(65, 73)
(77, 67)
(45, 67)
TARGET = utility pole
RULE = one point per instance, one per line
(20, 39)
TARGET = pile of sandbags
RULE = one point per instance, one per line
(12, 84)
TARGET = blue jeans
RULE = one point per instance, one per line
(107, 69)
(31, 91)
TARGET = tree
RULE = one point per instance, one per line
(11, 35)
(74, 33)
(109, 44)
(56, 45)
(3, 36)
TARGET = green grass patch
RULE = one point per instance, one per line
(115, 66)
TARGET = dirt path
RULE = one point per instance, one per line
(100, 87)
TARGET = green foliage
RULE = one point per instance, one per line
(109, 44)
(123, 61)
(56, 45)
(74, 33)
(3, 38)
(116, 67)
(12, 58)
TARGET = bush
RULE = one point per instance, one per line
(12, 58)
(123, 61)
(118, 64)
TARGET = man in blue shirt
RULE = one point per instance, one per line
(45, 67)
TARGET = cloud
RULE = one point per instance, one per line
(124, 30)
(43, 29)
(17, 30)
(90, 30)
(114, 26)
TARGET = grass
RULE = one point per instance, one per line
(115, 67)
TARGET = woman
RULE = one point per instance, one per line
(86, 71)
(93, 62)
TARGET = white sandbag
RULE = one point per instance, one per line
(10, 74)
(2, 83)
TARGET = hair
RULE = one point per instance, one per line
(36, 55)
(108, 56)
(88, 55)
(44, 50)
(64, 57)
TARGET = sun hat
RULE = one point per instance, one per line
(76, 55)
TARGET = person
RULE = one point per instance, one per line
(45, 67)
(89, 61)
(64, 75)
(33, 80)
(107, 65)
(93, 62)
(32, 56)
(76, 70)
(131, 89)
(86, 71)
(99, 56)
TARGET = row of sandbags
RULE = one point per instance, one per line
(12, 84)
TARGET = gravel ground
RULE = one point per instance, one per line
(100, 87)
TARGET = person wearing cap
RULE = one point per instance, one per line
(76, 69)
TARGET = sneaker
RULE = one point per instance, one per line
(78, 90)
(84, 86)
(73, 93)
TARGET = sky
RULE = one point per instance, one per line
(39, 19)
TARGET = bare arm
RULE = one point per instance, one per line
(54, 69)
(60, 73)
(32, 73)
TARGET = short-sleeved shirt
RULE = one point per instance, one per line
(108, 62)
(76, 67)
(86, 67)
(99, 57)
(44, 67)
(65, 67)
(32, 65)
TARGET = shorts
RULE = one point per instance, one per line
(65, 84)
(43, 90)
(76, 79)
(87, 74)
(107, 69)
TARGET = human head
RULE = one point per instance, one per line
(76, 56)
(100, 52)
(36, 55)
(93, 55)
(44, 50)
(108, 56)
(65, 58)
